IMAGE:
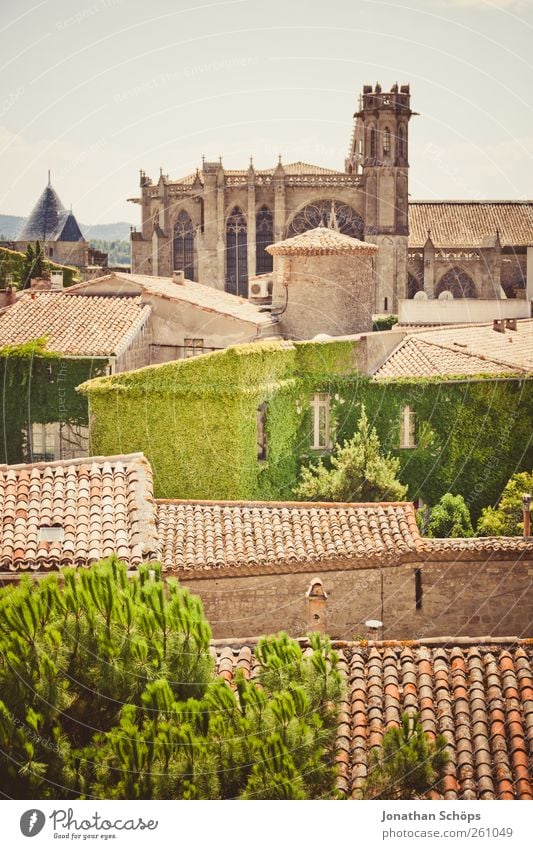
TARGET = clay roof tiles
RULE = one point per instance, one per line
(478, 693)
(103, 505)
(464, 224)
(318, 241)
(74, 325)
(208, 536)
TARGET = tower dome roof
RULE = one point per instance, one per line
(320, 240)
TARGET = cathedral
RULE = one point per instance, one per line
(215, 224)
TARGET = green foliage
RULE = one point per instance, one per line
(384, 322)
(195, 421)
(19, 268)
(108, 689)
(450, 518)
(408, 766)
(507, 518)
(38, 386)
(359, 472)
(118, 251)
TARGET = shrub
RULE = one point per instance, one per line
(507, 518)
(450, 518)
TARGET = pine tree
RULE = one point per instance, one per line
(39, 266)
(359, 471)
(27, 267)
(408, 765)
(107, 689)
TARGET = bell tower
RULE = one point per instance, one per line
(379, 153)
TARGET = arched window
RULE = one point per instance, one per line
(386, 142)
(414, 285)
(372, 143)
(458, 282)
(325, 212)
(184, 245)
(237, 253)
(264, 235)
(402, 152)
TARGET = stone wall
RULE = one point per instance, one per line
(460, 597)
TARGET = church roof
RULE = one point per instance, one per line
(49, 221)
(463, 224)
(320, 241)
(292, 169)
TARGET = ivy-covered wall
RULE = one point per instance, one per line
(12, 267)
(39, 386)
(196, 422)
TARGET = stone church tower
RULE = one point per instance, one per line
(379, 151)
(216, 224)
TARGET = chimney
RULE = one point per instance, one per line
(510, 323)
(316, 606)
(498, 325)
(178, 277)
(526, 512)
(11, 295)
(56, 280)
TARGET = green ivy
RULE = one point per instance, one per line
(12, 266)
(39, 386)
(196, 422)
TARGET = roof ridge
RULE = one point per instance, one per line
(471, 354)
(76, 461)
(452, 642)
(242, 503)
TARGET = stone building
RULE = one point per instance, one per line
(319, 267)
(56, 229)
(215, 224)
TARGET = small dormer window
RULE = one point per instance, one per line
(408, 428)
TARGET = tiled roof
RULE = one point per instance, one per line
(464, 224)
(296, 169)
(415, 357)
(477, 692)
(320, 240)
(461, 350)
(205, 297)
(103, 504)
(49, 221)
(210, 536)
(75, 325)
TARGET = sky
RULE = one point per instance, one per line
(95, 90)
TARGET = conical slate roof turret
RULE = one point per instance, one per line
(49, 221)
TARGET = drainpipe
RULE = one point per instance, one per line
(526, 510)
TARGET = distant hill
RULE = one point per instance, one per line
(116, 232)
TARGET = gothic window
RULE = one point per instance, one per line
(328, 213)
(264, 235)
(237, 254)
(414, 285)
(184, 245)
(372, 143)
(408, 428)
(321, 438)
(458, 282)
(261, 432)
(386, 142)
(401, 143)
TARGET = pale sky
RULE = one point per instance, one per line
(96, 89)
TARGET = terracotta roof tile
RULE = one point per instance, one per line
(461, 350)
(104, 505)
(75, 325)
(320, 240)
(215, 536)
(463, 224)
(477, 693)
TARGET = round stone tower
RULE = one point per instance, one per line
(323, 283)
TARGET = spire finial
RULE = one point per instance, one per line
(333, 224)
(279, 159)
(49, 183)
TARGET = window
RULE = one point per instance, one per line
(192, 347)
(320, 409)
(264, 235)
(261, 432)
(73, 440)
(386, 142)
(237, 254)
(401, 142)
(408, 428)
(43, 442)
(184, 245)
